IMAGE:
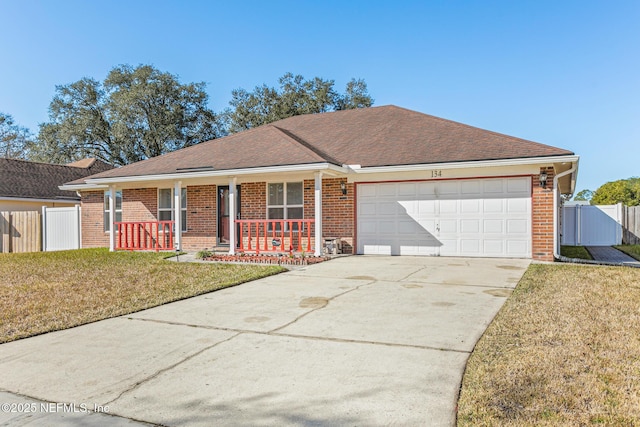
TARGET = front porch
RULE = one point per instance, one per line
(235, 218)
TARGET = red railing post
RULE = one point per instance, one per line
(266, 236)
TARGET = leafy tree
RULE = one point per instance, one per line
(137, 113)
(295, 96)
(625, 191)
(15, 140)
(583, 195)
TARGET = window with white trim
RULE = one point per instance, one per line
(106, 208)
(166, 206)
(285, 200)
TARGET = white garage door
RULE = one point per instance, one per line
(479, 217)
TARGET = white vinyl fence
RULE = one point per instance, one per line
(586, 225)
(60, 228)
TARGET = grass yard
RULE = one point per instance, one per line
(564, 350)
(579, 252)
(631, 250)
(48, 291)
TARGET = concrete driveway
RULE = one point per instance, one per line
(355, 341)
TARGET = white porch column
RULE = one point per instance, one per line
(318, 213)
(177, 214)
(232, 215)
(112, 218)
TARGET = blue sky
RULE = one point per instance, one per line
(563, 73)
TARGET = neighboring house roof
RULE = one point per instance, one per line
(21, 179)
(369, 137)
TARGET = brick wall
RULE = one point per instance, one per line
(253, 197)
(201, 217)
(542, 217)
(93, 235)
(338, 212)
(139, 204)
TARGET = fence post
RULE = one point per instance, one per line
(79, 234)
(44, 228)
(5, 228)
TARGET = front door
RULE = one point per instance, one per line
(223, 212)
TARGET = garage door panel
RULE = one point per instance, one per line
(387, 208)
(387, 190)
(493, 206)
(387, 227)
(408, 227)
(519, 205)
(517, 226)
(448, 206)
(481, 217)
(368, 227)
(470, 247)
(367, 208)
(448, 188)
(447, 226)
(470, 226)
(410, 207)
(471, 188)
(366, 191)
(518, 186)
(494, 247)
(407, 189)
(493, 186)
(427, 207)
(426, 190)
(470, 206)
(517, 246)
(493, 226)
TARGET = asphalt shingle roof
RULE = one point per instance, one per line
(33, 180)
(376, 136)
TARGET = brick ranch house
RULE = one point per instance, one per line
(380, 180)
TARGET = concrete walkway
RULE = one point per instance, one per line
(610, 255)
(354, 341)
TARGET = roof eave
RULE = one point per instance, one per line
(464, 164)
(40, 200)
(102, 183)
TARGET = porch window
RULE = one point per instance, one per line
(285, 201)
(106, 208)
(165, 206)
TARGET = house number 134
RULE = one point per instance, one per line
(436, 174)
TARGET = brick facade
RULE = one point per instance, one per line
(542, 217)
(202, 217)
(92, 223)
(338, 212)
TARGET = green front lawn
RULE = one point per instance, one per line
(563, 350)
(48, 291)
(579, 252)
(631, 250)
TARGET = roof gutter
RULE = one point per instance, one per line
(26, 199)
(466, 164)
(97, 183)
(556, 231)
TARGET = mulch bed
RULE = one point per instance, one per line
(277, 259)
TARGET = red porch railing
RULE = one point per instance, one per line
(145, 235)
(279, 235)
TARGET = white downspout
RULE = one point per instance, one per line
(177, 214)
(112, 218)
(318, 214)
(556, 246)
(232, 215)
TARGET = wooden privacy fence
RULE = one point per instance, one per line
(631, 225)
(20, 232)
